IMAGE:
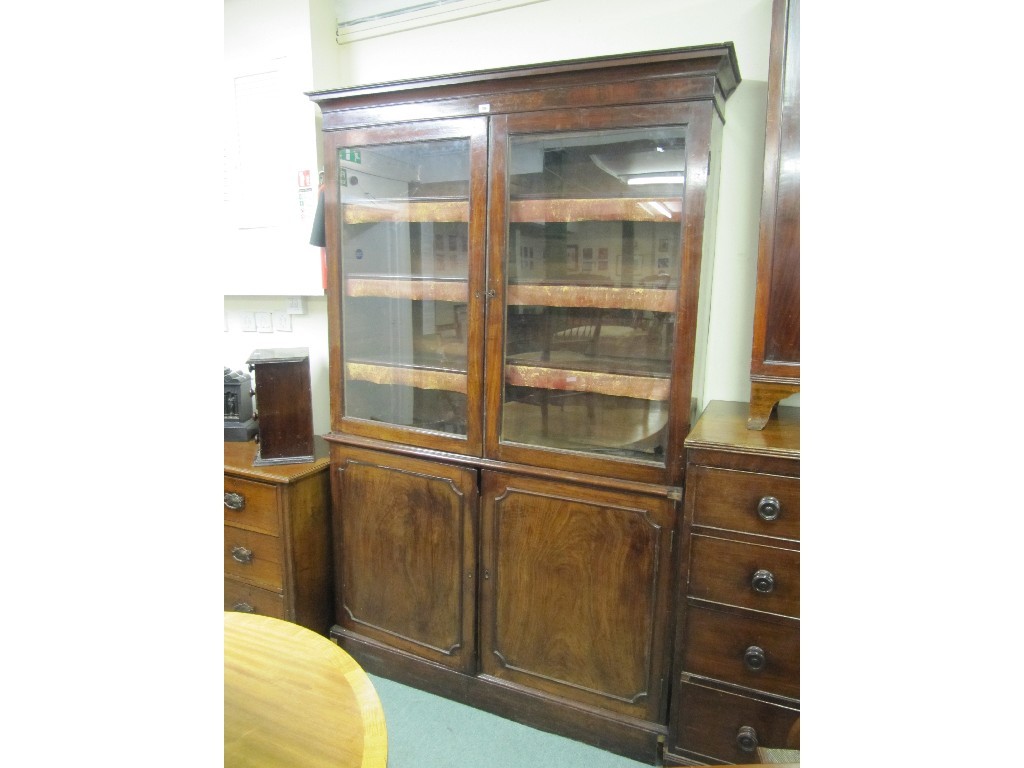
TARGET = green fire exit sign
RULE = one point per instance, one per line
(352, 155)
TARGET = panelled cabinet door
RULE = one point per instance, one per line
(405, 541)
(593, 261)
(406, 274)
(575, 584)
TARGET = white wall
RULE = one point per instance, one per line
(548, 31)
(270, 135)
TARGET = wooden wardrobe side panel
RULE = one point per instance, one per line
(775, 355)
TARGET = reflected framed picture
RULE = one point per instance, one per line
(572, 258)
(587, 263)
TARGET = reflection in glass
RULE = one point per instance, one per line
(592, 270)
(404, 268)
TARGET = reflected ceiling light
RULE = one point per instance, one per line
(656, 208)
(661, 208)
(655, 178)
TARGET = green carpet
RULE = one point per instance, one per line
(428, 731)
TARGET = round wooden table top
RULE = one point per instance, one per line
(294, 698)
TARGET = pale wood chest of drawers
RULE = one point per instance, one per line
(277, 537)
(737, 651)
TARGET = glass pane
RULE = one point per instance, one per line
(593, 265)
(405, 267)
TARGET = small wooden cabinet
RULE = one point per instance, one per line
(277, 558)
(737, 657)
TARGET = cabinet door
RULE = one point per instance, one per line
(405, 549)
(595, 226)
(405, 282)
(575, 592)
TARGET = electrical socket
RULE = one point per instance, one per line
(282, 321)
(264, 323)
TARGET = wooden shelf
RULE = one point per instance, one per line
(538, 377)
(403, 211)
(520, 294)
(598, 382)
(415, 289)
(651, 299)
(409, 376)
(596, 209)
(521, 211)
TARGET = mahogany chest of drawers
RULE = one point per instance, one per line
(277, 537)
(737, 651)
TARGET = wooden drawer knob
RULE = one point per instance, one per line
(763, 581)
(234, 501)
(746, 738)
(754, 658)
(769, 508)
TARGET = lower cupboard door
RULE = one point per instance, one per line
(575, 592)
(405, 554)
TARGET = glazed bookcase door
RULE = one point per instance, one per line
(592, 266)
(406, 277)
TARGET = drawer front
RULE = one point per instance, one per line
(754, 576)
(253, 557)
(251, 505)
(239, 596)
(743, 649)
(727, 726)
(765, 505)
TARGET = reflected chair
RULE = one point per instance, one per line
(571, 336)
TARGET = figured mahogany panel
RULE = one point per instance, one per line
(405, 545)
(574, 591)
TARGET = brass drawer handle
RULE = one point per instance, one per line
(769, 508)
(243, 608)
(242, 555)
(746, 738)
(763, 581)
(234, 501)
(754, 658)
